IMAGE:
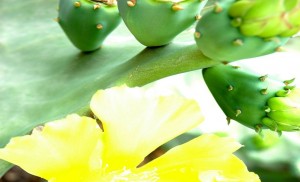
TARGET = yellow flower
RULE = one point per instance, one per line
(75, 149)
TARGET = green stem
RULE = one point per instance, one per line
(172, 59)
(149, 65)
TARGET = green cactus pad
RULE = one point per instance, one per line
(218, 37)
(158, 22)
(87, 23)
(245, 96)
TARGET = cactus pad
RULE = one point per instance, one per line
(157, 22)
(219, 37)
(256, 101)
(87, 23)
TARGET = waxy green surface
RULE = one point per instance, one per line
(219, 40)
(241, 94)
(156, 23)
(44, 77)
(87, 23)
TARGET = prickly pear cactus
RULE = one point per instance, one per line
(235, 30)
(88, 22)
(157, 22)
(256, 101)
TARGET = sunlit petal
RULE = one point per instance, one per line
(206, 158)
(65, 150)
(135, 123)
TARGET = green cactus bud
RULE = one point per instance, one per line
(256, 101)
(263, 141)
(218, 34)
(157, 22)
(240, 8)
(284, 113)
(88, 22)
(267, 18)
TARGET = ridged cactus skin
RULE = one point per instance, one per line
(248, 98)
(87, 23)
(218, 39)
(158, 22)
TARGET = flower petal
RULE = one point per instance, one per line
(206, 158)
(135, 123)
(65, 150)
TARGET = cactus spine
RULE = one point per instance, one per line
(256, 101)
(235, 30)
(87, 23)
(157, 22)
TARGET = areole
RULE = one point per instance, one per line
(107, 2)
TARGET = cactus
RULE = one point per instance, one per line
(88, 22)
(157, 22)
(256, 101)
(44, 78)
(235, 30)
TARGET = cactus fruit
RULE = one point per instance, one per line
(157, 22)
(88, 22)
(256, 101)
(235, 30)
